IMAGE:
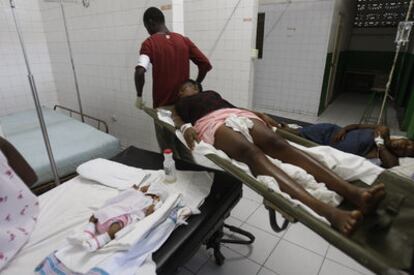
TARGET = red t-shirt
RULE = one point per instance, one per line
(170, 56)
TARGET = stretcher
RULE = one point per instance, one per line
(384, 243)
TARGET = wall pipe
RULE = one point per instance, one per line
(75, 77)
(35, 96)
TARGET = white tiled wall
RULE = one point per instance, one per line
(288, 80)
(344, 13)
(224, 31)
(15, 94)
(178, 16)
(106, 39)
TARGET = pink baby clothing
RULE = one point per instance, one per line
(102, 228)
(131, 202)
(19, 209)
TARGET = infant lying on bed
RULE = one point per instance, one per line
(247, 137)
(116, 213)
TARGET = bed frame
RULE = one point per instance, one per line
(98, 121)
(42, 188)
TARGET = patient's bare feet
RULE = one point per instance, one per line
(345, 221)
(370, 197)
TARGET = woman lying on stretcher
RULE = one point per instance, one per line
(207, 112)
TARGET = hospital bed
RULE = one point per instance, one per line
(384, 242)
(72, 141)
(184, 242)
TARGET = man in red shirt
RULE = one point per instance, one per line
(170, 54)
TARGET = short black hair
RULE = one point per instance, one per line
(154, 15)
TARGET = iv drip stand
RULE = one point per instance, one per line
(388, 86)
(65, 24)
(35, 97)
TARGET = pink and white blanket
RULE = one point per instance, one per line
(19, 209)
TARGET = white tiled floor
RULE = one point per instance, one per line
(296, 251)
(348, 108)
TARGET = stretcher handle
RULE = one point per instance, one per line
(273, 221)
(249, 235)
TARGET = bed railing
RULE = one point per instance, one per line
(97, 120)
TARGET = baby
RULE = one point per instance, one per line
(116, 213)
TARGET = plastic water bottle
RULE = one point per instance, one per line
(169, 166)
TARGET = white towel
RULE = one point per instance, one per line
(138, 260)
(78, 260)
(241, 125)
(194, 186)
(110, 173)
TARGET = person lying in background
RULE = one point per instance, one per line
(366, 140)
(19, 207)
(207, 112)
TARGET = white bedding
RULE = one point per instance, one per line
(63, 210)
(405, 169)
(347, 166)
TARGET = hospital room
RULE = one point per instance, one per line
(184, 137)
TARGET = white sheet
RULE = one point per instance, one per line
(347, 166)
(65, 209)
(61, 210)
(194, 186)
(405, 169)
(78, 259)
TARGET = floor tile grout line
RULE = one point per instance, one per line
(183, 267)
(267, 258)
(353, 269)
(324, 259)
(201, 266)
(314, 252)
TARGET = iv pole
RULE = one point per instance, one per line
(65, 24)
(35, 97)
(397, 53)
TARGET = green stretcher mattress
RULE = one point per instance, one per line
(72, 141)
(384, 243)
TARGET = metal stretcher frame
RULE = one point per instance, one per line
(365, 243)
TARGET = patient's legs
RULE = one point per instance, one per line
(276, 147)
(237, 147)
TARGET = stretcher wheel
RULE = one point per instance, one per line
(219, 257)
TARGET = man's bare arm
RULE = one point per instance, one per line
(139, 80)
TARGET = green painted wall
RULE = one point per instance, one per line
(325, 84)
(408, 122)
(368, 61)
(410, 131)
